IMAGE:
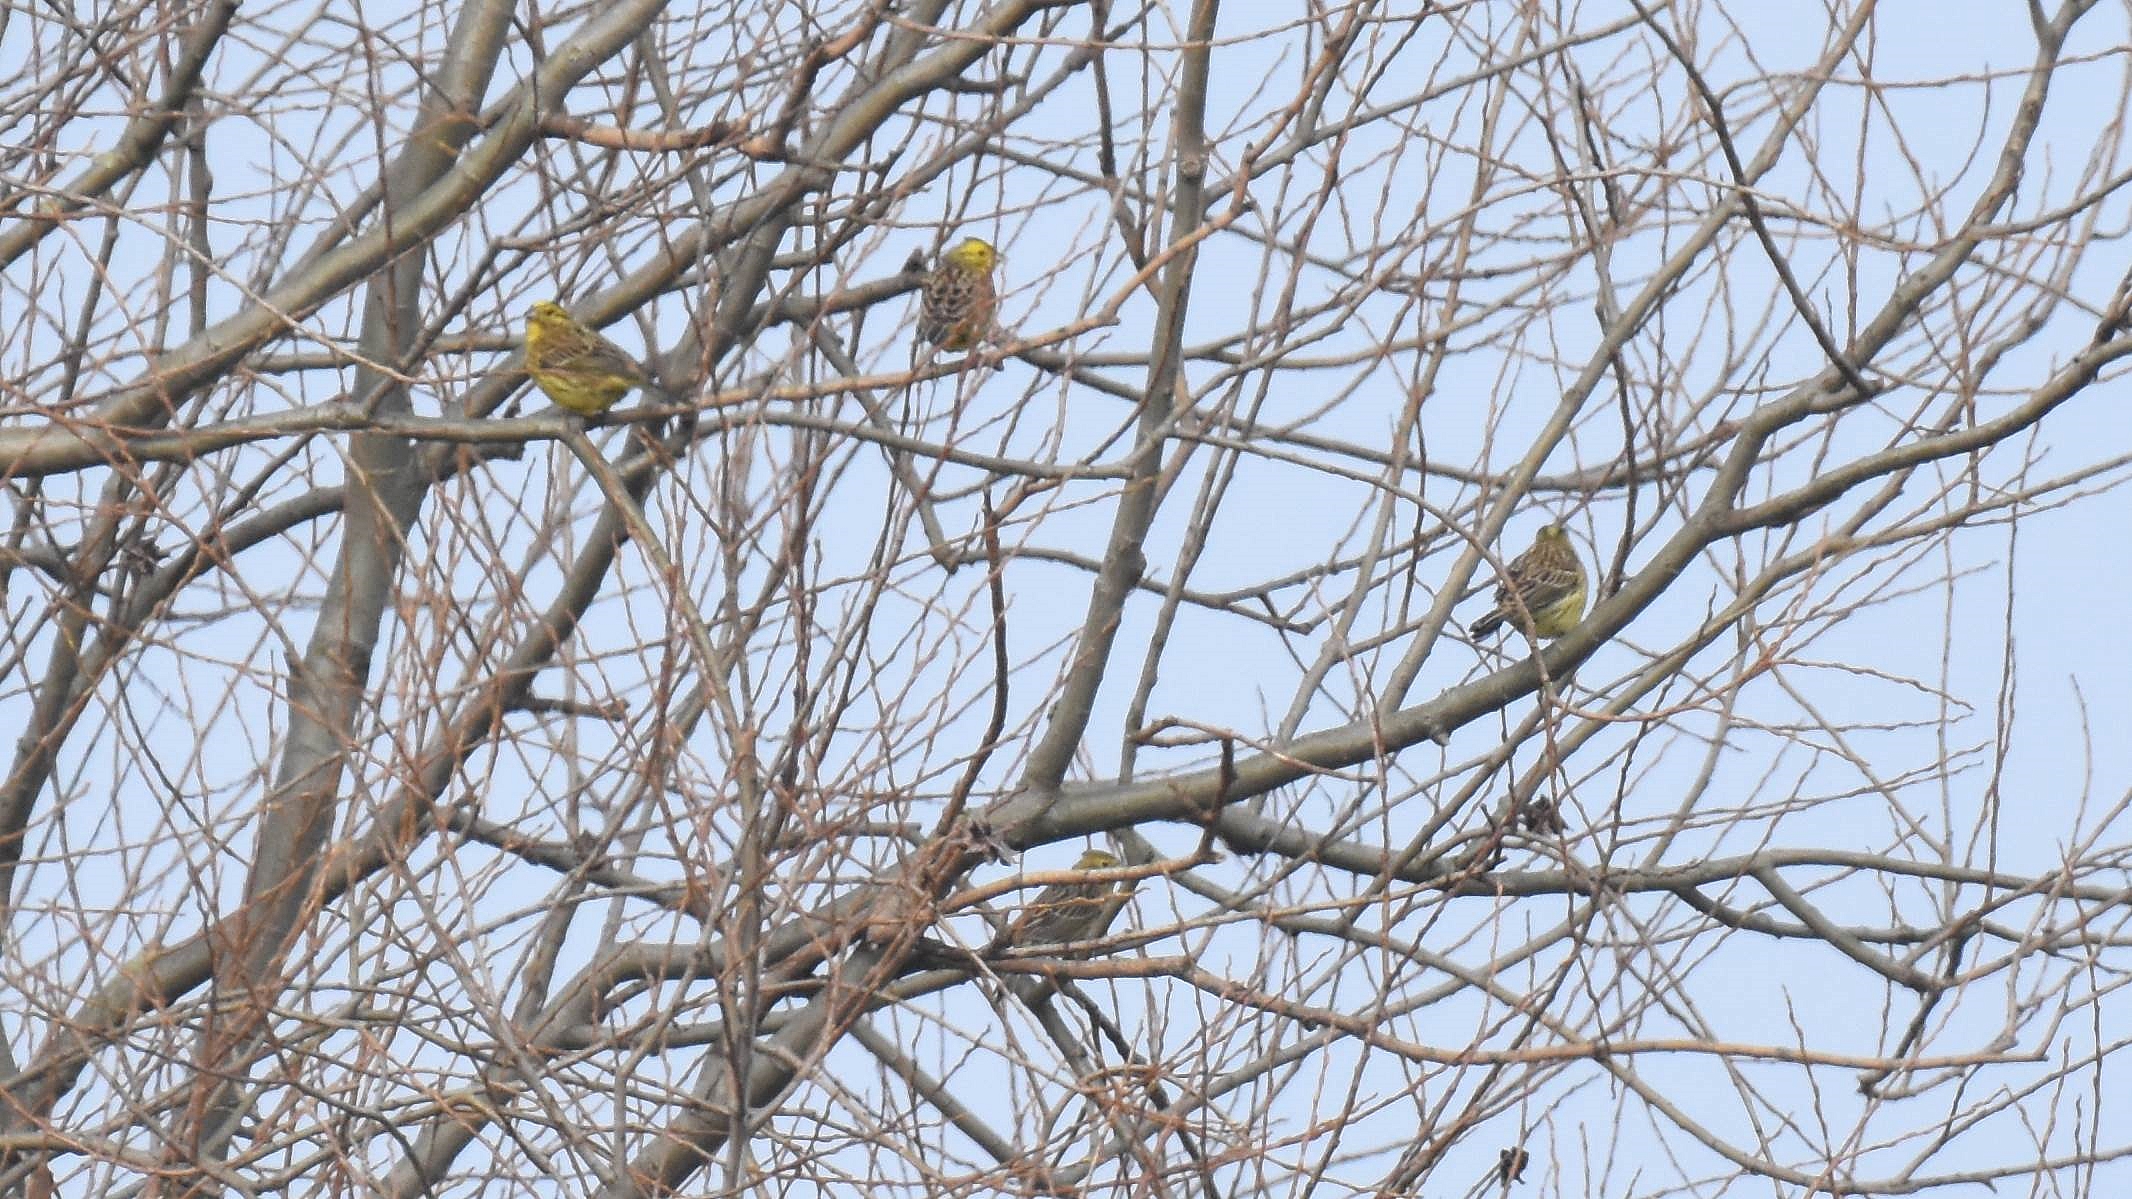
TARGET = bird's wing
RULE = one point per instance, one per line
(600, 354)
(1545, 581)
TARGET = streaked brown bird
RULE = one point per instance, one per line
(1544, 593)
(959, 300)
(1067, 912)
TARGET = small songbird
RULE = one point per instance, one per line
(1064, 912)
(1544, 594)
(577, 368)
(956, 307)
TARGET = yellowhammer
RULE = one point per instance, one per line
(579, 369)
(956, 308)
(1544, 594)
(1064, 912)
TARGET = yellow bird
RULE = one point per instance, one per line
(1064, 912)
(1544, 594)
(577, 368)
(959, 300)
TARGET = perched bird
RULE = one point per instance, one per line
(579, 369)
(1544, 594)
(956, 307)
(1064, 912)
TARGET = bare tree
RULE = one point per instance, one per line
(416, 791)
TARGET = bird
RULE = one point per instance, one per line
(1068, 912)
(577, 368)
(958, 300)
(1510, 1165)
(1544, 593)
